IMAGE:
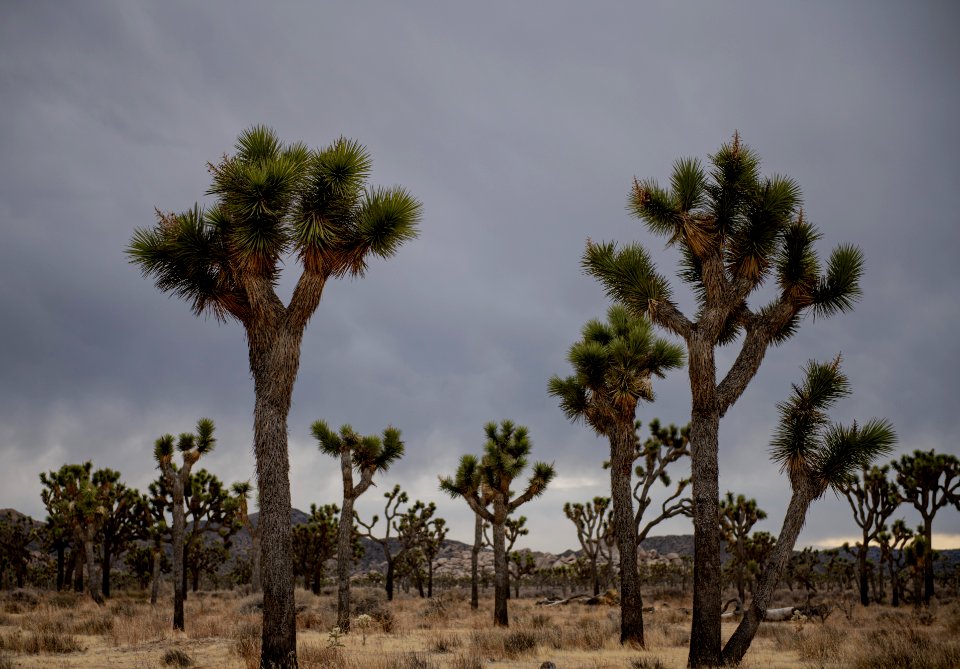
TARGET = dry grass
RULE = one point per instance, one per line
(64, 631)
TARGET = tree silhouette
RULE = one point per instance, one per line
(272, 201)
(122, 509)
(734, 230)
(16, 535)
(391, 511)
(613, 363)
(664, 446)
(929, 481)
(873, 498)
(592, 521)
(242, 490)
(191, 447)
(737, 517)
(504, 459)
(315, 542)
(816, 456)
(368, 455)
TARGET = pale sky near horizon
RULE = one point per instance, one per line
(520, 129)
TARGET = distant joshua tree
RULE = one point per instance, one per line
(192, 447)
(738, 515)
(929, 481)
(242, 490)
(504, 459)
(368, 455)
(592, 521)
(391, 511)
(816, 456)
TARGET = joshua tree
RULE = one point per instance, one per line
(391, 511)
(613, 364)
(929, 481)
(816, 455)
(513, 529)
(504, 459)
(737, 517)
(431, 542)
(16, 533)
(315, 542)
(873, 498)
(210, 509)
(176, 479)
(123, 508)
(242, 490)
(274, 200)
(892, 544)
(664, 446)
(592, 521)
(368, 455)
(72, 494)
(734, 229)
(478, 542)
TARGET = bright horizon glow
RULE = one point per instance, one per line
(940, 541)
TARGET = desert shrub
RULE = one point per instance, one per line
(590, 634)
(97, 623)
(906, 648)
(312, 656)
(65, 599)
(467, 660)
(247, 644)
(6, 662)
(410, 661)
(821, 646)
(647, 663)
(519, 642)
(24, 597)
(539, 621)
(34, 643)
(444, 643)
(384, 617)
(175, 657)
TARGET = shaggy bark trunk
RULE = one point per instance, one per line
(928, 560)
(894, 583)
(195, 575)
(793, 522)
(274, 361)
(78, 568)
(475, 562)
(595, 573)
(177, 532)
(344, 557)
(92, 583)
(155, 577)
(625, 531)
(864, 581)
(704, 437)
(389, 579)
(501, 586)
(430, 578)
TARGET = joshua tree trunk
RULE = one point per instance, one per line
(595, 574)
(389, 579)
(177, 532)
(105, 567)
(864, 581)
(501, 586)
(155, 577)
(704, 438)
(928, 560)
(274, 361)
(625, 531)
(430, 578)
(793, 522)
(61, 550)
(187, 547)
(344, 557)
(92, 583)
(475, 562)
(78, 563)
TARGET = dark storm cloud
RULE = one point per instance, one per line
(520, 131)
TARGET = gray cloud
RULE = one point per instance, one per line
(520, 131)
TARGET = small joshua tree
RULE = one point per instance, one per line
(504, 459)
(368, 455)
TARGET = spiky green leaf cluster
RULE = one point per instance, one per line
(613, 363)
(273, 199)
(367, 452)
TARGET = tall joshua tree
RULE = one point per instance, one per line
(504, 459)
(816, 455)
(929, 481)
(734, 229)
(613, 364)
(738, 515)
(273, 200)
(873, 498)
(368, 455)
(192, 447)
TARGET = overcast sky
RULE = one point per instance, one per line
(520, 127)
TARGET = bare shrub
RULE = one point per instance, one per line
(175, 657)
(647, 663)
(821, 646)
(6, 662)
(312, 656)
(444, 643)
(467, 660)
(519, 642)
(34, 643)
